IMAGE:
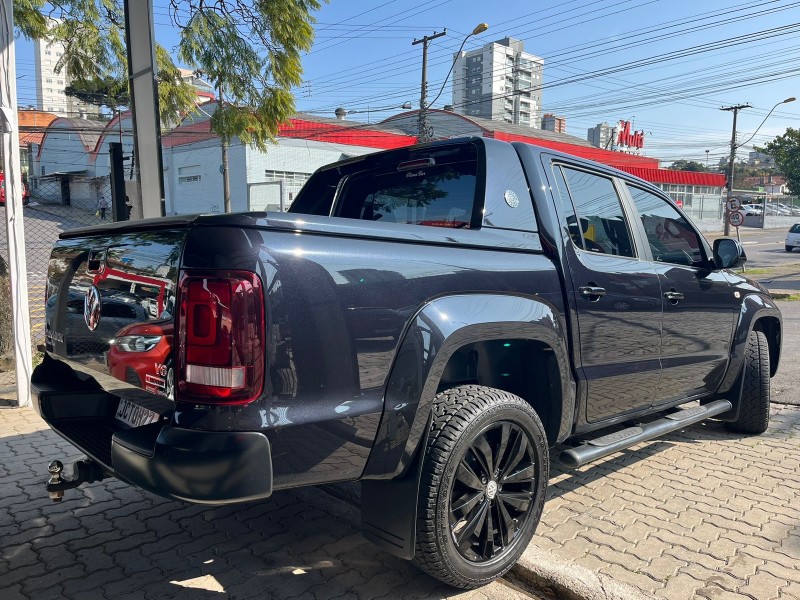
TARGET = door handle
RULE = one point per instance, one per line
(673, 296)
(592, 292)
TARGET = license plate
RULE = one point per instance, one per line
(134, 415)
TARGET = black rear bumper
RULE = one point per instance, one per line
(205, 467)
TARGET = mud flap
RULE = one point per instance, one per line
(389, 508)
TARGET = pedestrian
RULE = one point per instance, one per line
(103, 206)
(128, 207)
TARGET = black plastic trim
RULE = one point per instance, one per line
(203, 467)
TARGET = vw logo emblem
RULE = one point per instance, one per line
(91, 307)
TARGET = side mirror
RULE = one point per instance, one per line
(728, 253)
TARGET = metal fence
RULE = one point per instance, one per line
(703, 206)
(56, 204)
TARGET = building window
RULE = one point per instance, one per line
(44, 170)
(287, 176)
(189, 179)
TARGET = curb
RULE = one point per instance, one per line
(545, 570)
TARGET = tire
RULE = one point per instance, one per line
(754, 401)
(497, 525)
(788, 248)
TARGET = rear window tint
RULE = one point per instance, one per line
(439, 193)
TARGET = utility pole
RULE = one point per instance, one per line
(422, 117)
(735, 109)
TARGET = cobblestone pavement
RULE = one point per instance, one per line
(109, 540)
(701, 513)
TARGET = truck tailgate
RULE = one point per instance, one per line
(110, 304)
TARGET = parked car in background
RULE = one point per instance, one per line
(793, 237)
(789, 209)
(752, 209)
(26, 194)
(778, 210)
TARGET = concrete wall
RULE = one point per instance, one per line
(193, 181)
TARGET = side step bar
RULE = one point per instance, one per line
(613, 442)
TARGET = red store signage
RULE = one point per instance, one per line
(626, 138)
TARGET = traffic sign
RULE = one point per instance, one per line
(734, 203)
(736, 218)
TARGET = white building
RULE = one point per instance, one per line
(501, 82)
(72, 163)
(50, 96)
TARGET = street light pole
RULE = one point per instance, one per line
(422, 124)
(735, 109)
(422, 119)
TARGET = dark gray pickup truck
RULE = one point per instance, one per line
(427, 321)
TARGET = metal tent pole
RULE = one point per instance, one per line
(18, 271)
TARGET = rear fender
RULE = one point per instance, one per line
(390, 486)
(438, 330)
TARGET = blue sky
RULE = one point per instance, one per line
(668, 65)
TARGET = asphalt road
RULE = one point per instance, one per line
(765, 247)
(769, 263)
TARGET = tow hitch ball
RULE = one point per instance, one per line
(83, 471)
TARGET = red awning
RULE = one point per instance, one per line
(670, 176)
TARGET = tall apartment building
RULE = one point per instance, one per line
(600, 135)
(551, 122)
(499, 81)
(50, 96)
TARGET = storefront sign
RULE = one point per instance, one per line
(627, 138)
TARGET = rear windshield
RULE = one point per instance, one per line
(437, 188)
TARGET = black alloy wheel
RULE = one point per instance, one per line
(482, 486)
(492, 491)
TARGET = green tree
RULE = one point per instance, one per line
(687, 165)
(94, 59)
(253, 73)
(785, 149)
(251, 49)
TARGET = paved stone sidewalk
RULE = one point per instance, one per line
(702, 513)
(110, 541)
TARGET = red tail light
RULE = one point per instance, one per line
(222, 338)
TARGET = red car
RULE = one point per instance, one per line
(141, 354)
(26, 193)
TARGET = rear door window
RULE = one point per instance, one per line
(598, 223)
